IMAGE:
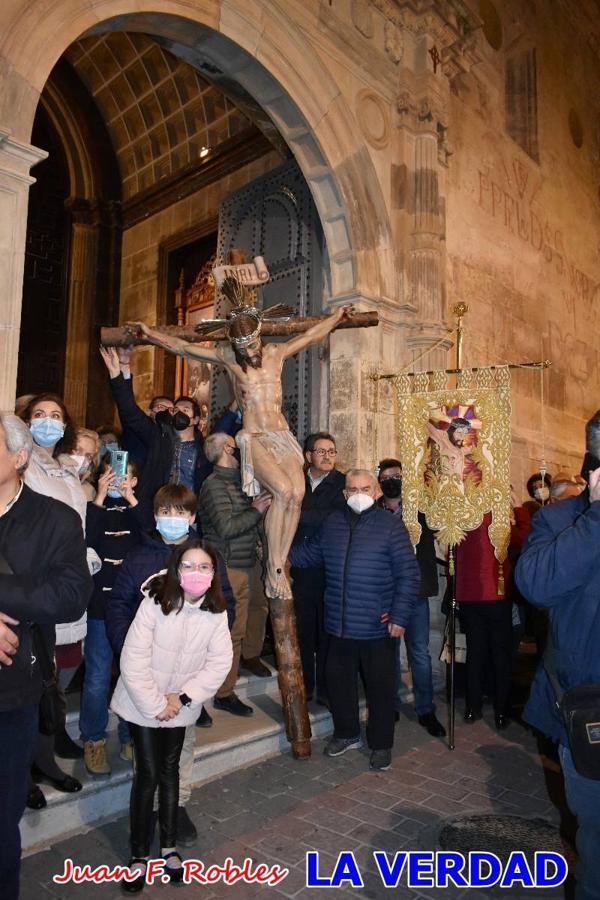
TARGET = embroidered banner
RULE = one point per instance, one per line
(455, 449)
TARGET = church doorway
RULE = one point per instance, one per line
(191, 167)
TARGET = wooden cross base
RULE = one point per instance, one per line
(291, 681)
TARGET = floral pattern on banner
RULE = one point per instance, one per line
(455, 448)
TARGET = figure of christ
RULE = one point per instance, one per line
(270, 454)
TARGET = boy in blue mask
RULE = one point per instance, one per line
(113, 527)
(174, 513)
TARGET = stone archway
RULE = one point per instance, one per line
(269, 57)
(273, 54)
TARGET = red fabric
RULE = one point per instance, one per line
(68, 655)
(477, 568)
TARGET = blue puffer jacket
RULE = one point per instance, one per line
(372, 575)
(559, 570)
(149, 557)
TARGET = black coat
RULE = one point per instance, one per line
(112, 530)
(159, 441)
(150, 556)
(425, 557)
(317, 505)
(228, 519)
(41, 539)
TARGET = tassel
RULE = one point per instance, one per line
(500, 582)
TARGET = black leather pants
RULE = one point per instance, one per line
(156, 764)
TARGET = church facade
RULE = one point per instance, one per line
(399, 155)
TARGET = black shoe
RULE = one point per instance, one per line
(232, 704)
(204, 720)
(65, 747)
(472, 715)
(431, 723)
(35, 799)
(175, 875)
(186, 830)
(66, 784)
(256, 666)
(380, 760)
(501, 721)
(134, 887)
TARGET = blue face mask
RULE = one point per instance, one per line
(107, 448)
(172, 528)
(114, 494)
(46, 432)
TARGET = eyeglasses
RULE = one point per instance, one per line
(204, 568)
(391, 478)
(323, 452)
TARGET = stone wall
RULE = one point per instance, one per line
(432, 184)
(523, 236)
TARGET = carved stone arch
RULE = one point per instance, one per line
(269, 57)
(90, 266)
(92, 165)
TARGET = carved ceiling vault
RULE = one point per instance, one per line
(159, 111)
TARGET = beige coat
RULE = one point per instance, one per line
(188, 652)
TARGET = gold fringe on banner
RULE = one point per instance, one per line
(455, 449)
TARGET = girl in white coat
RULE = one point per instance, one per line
(176, 655)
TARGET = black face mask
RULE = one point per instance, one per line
(391, 487)
(181, 421)
(163, 417)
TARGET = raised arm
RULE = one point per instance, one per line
(176, 345)
(316, 333)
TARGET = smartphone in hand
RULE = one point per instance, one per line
(118, 463)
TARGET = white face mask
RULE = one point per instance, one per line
(358, 503)
(542, 494)
(80, 463)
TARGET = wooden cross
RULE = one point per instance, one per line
(125, 336)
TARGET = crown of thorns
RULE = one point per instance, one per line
(249, 312)
(239, 296)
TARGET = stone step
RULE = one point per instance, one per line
(231, 743)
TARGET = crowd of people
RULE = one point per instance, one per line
(153, 577)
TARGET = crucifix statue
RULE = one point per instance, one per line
(271, 457)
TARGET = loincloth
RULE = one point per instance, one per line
(278, 444)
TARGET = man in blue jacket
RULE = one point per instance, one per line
(559, 570)
(372, 581)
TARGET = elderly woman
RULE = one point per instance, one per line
(84, 459)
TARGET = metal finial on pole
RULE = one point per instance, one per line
(460, 311)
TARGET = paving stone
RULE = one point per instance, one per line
(276, 811)
(336, 822)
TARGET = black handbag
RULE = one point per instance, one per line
(50, 707)
(580, 710)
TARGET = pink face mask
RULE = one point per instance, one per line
(195, 584)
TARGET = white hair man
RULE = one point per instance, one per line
(44, 580)
(372, 582)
